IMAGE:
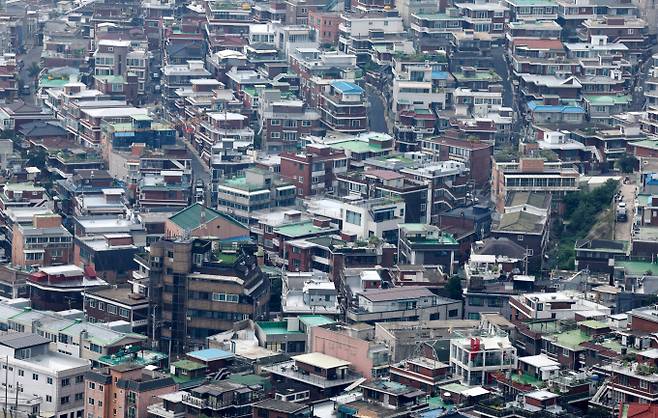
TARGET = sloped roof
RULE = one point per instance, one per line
(190, 217)
(521, 222)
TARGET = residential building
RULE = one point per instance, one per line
(528, 230)
(322, 375)
(315, 170)
(558, 305)
(410, 303)
(62, 287)
(121, 303)
(423, 244)
(129, 389)
(239, 197)
(532, 175)
(202, 222)
(342, 107)
(200, 291)
(34, 370)
(41, 242)
(475, 359)
(275, 408)
(474, 154)
(221, 398)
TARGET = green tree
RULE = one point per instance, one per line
(33, 70)
(454, 288)
(627, 164)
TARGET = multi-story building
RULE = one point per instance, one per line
(256, 190)
(175, 76)
(119, 59)
(62, 287)
(342, 107)
(360, 32)
(89, 131)
(559, 305)
(314, 171)
(123, 390)
(168, 189)
(198, 291)
(33, 370)
(415, 303)
(490, 18)
(226, 129)
(121, 303)
(284, 122)
(532, 175)
(473, 360)
(476, 155)
(275, 408)
(427, 245)
(43, 242)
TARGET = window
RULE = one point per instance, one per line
(124, 313)
(92, 303)
(519, 237)
(92, 385)
(353, 218)
(64, 400)
(111, 309)
(49, 398)
(79, 379)
(35, 376)
(565, 352)
(21, 373)
(306, 123)
(91, 401)
(66, 382)
(275, 135)
(79, 396)
(275, 122)
(49, 380)
(101, 306)
(644, 384)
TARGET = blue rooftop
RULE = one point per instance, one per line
(440, 75)
(211, 354)
(346, 87)
(539, 107)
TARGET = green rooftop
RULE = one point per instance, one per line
(299, 230)
(144, 358)
(52, 83)
(454, 388)
(608, 100)
(315, 320)
(526, 379)
(190, 218)
(477, 76)
(276, 328)
(357, 146)
(594, 324)
(188, 365)
(571, 339)
(647, 143)
(637, 268)
(111, 79)
(227, 257)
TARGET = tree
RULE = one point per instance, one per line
(627, 164)
(33, 70)
(454, 288)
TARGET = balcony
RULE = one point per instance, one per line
(290, 371)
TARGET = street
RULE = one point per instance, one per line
(376, 111)
(623, 229)
(32, 56)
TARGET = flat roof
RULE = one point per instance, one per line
(321, 360)
(211, 354)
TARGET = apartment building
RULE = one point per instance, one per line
(240, 197)
(559, 305)
(284, 122)
(475, 155)
(42, 242)
(61, 287)
(342, 107)
(176, 76)
(119, 303)
(167, 189)
(124, 390)
(89, 128)
(200, 292)
(314, 171)
(532, 175)
(415, 303)
(361, 31)
(33, 370)
(423, 244)
(473, 360)
(119, 59)
(226, 129)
